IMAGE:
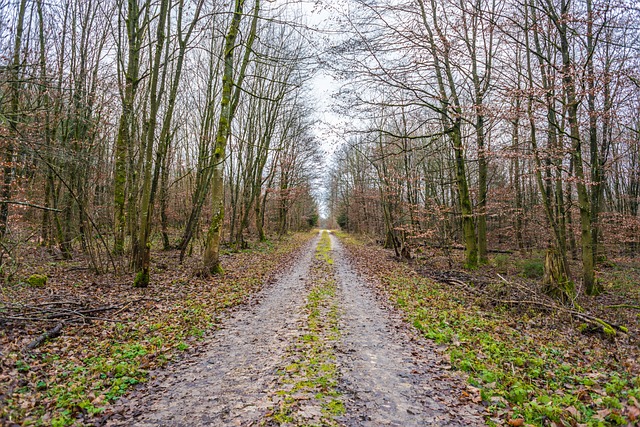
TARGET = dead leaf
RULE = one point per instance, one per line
(602, 414)
(573, 411)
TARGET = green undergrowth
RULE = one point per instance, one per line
(308, 383)
(532, 268)
(521, 369)
(75, 377)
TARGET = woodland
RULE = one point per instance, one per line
(163, 157)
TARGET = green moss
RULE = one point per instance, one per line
(142, 279)
(335, 407)
(217, 269)
(607, 328)
(37, 280)
(314, 373)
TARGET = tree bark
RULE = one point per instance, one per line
(588, 275)
(211, 256)
(13, 118)
(123, 145)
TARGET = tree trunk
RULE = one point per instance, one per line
(211, 257)
(141, 250)
(13, 118)
(555, 282)
(588, 275)
(123, 145)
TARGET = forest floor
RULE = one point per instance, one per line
(112, 334)
(315, 346)
(315, 330)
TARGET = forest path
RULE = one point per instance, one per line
(390, 375)
(387, 375)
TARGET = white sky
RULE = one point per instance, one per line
(329, 127)
(320, 16)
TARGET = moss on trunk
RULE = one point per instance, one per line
(556, 282)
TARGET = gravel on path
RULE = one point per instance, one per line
(228, 384)
(391, 376)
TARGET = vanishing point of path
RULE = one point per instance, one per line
(387, 375)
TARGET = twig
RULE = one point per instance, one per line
(44, 312)
(636, 307)
(31, 205)
(51, 333)
(546, 305)
(124, 307)
(50, 303)
(28, 319)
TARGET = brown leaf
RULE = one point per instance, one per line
(474, 394)
(516, 422)
(573, 411)
(602, 414)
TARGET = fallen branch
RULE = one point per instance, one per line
(51, 312)
(31, 205)
(635, 307)
(606, 327)
(596, 321)
(50, 334)
(462, 248)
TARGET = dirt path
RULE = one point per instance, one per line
(390, 376)
(386, 375)
(228, 383)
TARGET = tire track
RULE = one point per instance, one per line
(229, 383)
(386, 374)
(388, 379)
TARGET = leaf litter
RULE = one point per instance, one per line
(320, 345)
(525, 366)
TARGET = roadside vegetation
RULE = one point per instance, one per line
(113, 335)
(526, 365)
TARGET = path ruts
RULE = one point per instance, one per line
(228, 384)
(388, 376)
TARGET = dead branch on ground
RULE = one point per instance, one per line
(534, 299)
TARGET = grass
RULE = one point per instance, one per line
(314, 374)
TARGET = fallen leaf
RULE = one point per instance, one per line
(573, 411)
(602, 414)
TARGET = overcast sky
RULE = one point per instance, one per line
(329, 128)
(320, 17)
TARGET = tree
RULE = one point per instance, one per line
(231, 91)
